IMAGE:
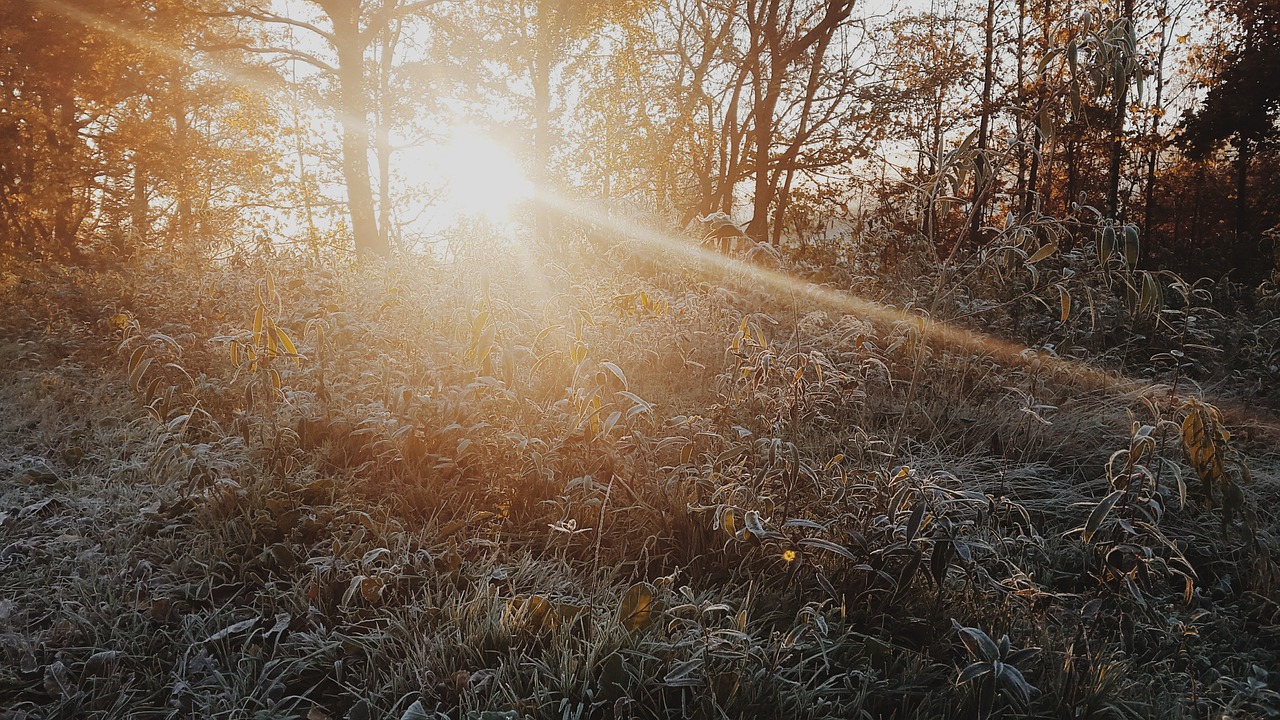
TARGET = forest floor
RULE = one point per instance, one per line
(290, 490)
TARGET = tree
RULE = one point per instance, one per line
(1241, 108)
(110, 130)
(58, 77)
(348, 29)
(539, 44)
(782, 34)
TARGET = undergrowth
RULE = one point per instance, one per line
(286, 488)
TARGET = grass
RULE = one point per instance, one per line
(638, 490)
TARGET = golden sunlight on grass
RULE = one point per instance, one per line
(711, 359)
(953, 336)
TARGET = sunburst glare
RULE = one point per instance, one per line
(482, 179)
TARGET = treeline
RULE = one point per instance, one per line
(126, 124)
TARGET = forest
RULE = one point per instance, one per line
(605, 359)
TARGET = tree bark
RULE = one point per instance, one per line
(541, 78)
(767, 87)
(1117, 127)
(981, 178)
(1153, 152)
(1242, 254)
(355, 128)
(382, 134)
(139, 220)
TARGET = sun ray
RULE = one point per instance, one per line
(963, 339)
(168, 49)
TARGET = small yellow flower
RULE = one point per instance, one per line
(789, 555)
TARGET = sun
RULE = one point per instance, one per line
(481, 178)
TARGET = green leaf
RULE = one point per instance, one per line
(1130, 246)
(1151, 298)
(754, 524)
(1106, 245)
(136, 357)
(973, 672)
(1014, 680)
(417, 711)
(1022, 655)
(829, 547)
(360, 711)
(1099, 514)
(232, 629)
(980, 644)
(939, 561)
(913, 522)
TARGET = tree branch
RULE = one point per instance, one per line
(254, 13)
(307, 58)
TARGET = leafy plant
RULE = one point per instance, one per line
(995, 672)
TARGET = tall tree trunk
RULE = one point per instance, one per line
(1243, 255)
(66, 220)
(182, 142)
(1037, 144)
(802, 136)
(931, 218)
(355, 132)
(304, 181)
(1117, 126)
(382, 134)
(768, 88)
(734, 133)
(139, 220)
(541, 78)
(982, 170)
(1153, 152)
(1020, 120)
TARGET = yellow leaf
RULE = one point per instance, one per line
(287, 344)
(1045, 251)
(639, 606)
(728, 523)
(371, 588)
(257, 323)
(135, 376)
(533, 614)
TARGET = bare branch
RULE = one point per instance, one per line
(307, 58)
(391, 10)
(255, 13)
